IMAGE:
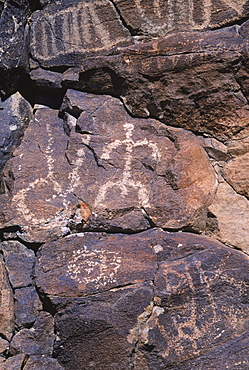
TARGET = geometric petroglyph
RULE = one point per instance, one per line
(159, 17)
(87, 26)
(89, 265)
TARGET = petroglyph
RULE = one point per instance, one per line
(82, 28)
(159, 17)
(127, 181)
(89, 265)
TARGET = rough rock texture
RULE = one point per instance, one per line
(6, 305)
(15, 115)
(154, 300)
(123, 134)
(113, 172)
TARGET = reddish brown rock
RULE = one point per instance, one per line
(113, 173)
(185, 310)
(135, 165)
(42, 200)
(91, 262)
(231, 212)
(237, 175)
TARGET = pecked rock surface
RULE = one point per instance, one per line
(154, 300)
(112, 172)
(123, 134)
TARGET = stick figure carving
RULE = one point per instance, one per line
(127, 180)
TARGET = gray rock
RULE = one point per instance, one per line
(27, 306)
(19, 262)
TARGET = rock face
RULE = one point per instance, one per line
(113, 172)
(145, 301)
(123, 134)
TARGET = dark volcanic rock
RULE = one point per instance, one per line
(13, 43)
(156, 18)
(117, 308)
(38, 340)
(63, 34)
(27, 306)
(185, 79)
(19, 262)
(15, 115)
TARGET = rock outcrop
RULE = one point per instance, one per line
(124, 134)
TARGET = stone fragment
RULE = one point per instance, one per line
(130, 312)
(231, 211)
(92, 332)
(237, 175)
(27, 306)
(19, 262)
(42, 363)
(38, 340)
(238, 147)
(158, 18)
(6, 304)
(13, 363)
(65, 33)
(46, 78)
(15, 115)
(4, 345)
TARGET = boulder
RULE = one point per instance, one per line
(63, 33)
(152, 300)
(114, 172)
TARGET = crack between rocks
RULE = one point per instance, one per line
(131, 31)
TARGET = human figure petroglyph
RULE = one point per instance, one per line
(50, 181)
(128, 179)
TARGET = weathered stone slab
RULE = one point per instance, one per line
(27, 306)
(117, 308)
(38, 340)
(63, 34)
(156, 18)
(81, 264)
(19, 262)
(6, 304)
(184, 79)
(232, 214)
(12, 24)
(42, 198)
(13, 363)
(15, 115)
(237, 175)
(42, 363)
